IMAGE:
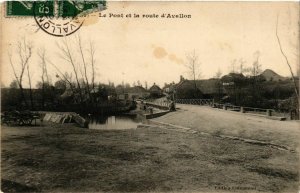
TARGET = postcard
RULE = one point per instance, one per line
(149, 96)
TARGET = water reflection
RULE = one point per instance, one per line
(114, 122)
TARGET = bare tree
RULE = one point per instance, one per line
(45, 78)
(232, 67)
(67, 78)
(24, 50)
(218, 84)
(242, 67)
(218, 73)
(92, 61)
(87, 86)
(286, 59)
(82, 61)
(256, 65)
(30, 87)
(193, 66)
(67, 55)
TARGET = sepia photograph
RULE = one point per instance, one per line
(150, 96)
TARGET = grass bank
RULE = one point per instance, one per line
(56, 159)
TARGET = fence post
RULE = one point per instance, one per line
(242, 110)
(269, 112)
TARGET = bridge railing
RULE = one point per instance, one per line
(207, 102)
(242, 109)
(210, 102)
(162, 104)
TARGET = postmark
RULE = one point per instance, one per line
(57, 18)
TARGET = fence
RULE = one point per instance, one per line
(208, 102)
(161, 104)
(261, 111)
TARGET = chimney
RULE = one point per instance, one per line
(181, 78)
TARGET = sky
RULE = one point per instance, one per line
(155, 49)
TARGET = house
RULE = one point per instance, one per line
(206, 89)
(211, 88)
(169, 88)
(131, 93)
(186, 89)
(155, 91)
(137, 92)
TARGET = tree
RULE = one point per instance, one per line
(60, 85)
(242, 67)
(256, 65)
(30, 87)
(24, 50)
(86, 82)
(66, 77)
(232, 68)
(193, 67)
(82, 61)
(14, 84)
(287, 61)
(44, 77)
(92, 61)
(218, 73)
(127, 85)
(67, 55)
(256, 80)
(219, 84)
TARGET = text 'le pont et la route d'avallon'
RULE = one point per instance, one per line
(136, 15)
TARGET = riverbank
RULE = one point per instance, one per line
(58, 158)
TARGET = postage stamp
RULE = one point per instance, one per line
(57, 18)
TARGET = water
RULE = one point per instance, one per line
(114, 122)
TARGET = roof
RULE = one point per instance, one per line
(135, 89)
(232, 76)
(206, 86)
(154, 88)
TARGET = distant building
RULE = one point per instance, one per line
(208, 88)
(211, 88)
(155, 90)
(131, 93)
(185, 89)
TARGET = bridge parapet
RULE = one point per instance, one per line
(206, 102)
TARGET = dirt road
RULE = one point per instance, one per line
(221, 122)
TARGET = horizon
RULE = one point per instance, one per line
(161, 86)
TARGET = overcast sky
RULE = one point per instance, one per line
(154, 50)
